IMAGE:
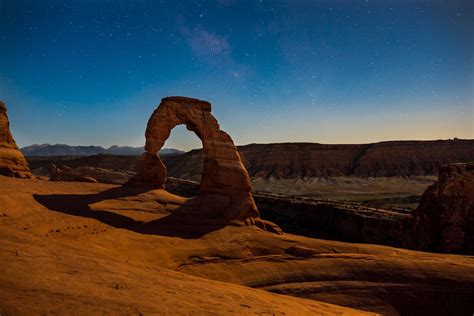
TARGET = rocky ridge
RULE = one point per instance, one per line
(44, 150)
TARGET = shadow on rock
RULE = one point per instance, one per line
(178, 224)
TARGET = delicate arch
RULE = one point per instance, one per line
(223, 168)
(225, 196)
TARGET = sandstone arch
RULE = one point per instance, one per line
(225, 196)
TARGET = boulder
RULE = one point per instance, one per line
(12, 161)
(65, 173)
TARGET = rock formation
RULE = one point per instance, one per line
(225, 197)
(79, 174)
(311, 160)
(444, 220)
(12, 161)
(298, 160)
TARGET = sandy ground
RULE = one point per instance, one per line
(80, 248)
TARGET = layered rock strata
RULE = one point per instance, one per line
(312, 160)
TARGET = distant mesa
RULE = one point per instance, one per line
(444, 220)
(67, 150)
(12, 161)
(312, 160)
(225, 196)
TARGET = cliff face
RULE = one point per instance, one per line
(326, 219)
(444, 220)
(12, 161)
(298, 160)
(403, 158)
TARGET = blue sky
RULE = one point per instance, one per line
(92, 72)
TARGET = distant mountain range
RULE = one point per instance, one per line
(67, 150)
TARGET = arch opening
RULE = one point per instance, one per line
(183, 170)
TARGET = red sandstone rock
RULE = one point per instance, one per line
(66, 173)
(225, 196)
(444, 220)
(12, 161)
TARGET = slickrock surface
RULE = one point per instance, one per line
(12, 161)
(444, 220)
(60, 264)
(225, 196)
(85, 248)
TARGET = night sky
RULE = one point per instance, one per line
(92, 72)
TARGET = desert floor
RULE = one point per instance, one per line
(85, 248)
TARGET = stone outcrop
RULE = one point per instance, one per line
(87, 174)
(444, 220)
(65, 173)
(224, 197)
(12, 161)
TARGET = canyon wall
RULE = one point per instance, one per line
(311, 160)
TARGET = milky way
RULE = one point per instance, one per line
(91, 72)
